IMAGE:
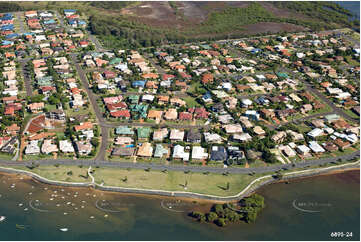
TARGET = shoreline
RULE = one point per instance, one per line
(191, 196)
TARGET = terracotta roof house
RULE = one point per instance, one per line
(177, 101)
(206, 78)
(341, 124)
(185, 116)
(155, 114)
(200, 113)
(83, 126)
(171, 114)
(35, 107)
(150, 76)
(342, 144)
(329, 146)
(121, 114)
(41, 136)
(145, 150)
(12, 129)
(163, 99)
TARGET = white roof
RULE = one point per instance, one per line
(212, 137)
(247, 101)
(66, 146)
(315, 132)
(178, 152)
(303, 148)
(199, 153)
(315, 147)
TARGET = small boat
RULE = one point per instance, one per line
(64, 229)
(19, 226)
(2, 218)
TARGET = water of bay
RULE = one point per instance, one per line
(307, 209)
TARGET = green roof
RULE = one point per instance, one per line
(160, 151)
(143, 132)
(134, 98)
(207, 47)
(282, 74)
(125, 130)
(115, 61)
(332, 117)
(141, 109)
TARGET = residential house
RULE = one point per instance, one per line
(179, 153)
(199, 153)
(145, 150)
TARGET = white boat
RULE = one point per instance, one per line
(64, 229)
(2, 218)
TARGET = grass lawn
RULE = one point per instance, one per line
(191, 102)
(37, 157)
(214, 184)
(60, 173)
(351, 61)
(174, 181)
(194, 86)
(258, 163)
(70, 112)
(5, 156)
(351, 113)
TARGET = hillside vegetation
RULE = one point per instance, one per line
(143, 24)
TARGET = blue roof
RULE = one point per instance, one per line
(6, 18)
(207, 95)
(255, 50)
(51, 21)
(72, 21)
(7, 27)
(10, 36)
(69, 10)
(29, 33)
(6, 42)
(138, 83)
(81, 22)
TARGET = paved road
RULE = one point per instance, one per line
(130, 123)
(22, 28)
(26, 75)
(159, 69)
(98, 113)
(152, 166)
(98, 46)
(335, 109)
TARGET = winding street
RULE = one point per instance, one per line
(335, 109)
(25, 74)
(182, 168)
(104, 130)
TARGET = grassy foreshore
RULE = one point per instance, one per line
(219, 185)
(204, 183)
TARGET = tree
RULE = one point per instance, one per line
(227, 187)
(218, 209)
(211, 217)
(220, 222)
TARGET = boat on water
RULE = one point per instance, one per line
(64, 229)
(19, 226)
(2, 218)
